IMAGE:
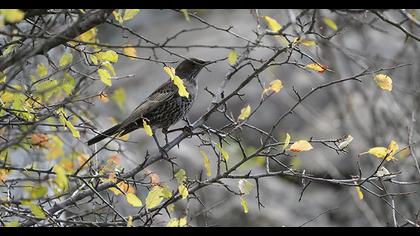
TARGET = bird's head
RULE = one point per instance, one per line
(189, 68)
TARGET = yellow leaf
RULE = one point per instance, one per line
(301, 146)
(66, 59)
(316, 67)
(94, 59)
(88, 36)
(379, 152)
(133, 200)
(272, 24)
(182, 91)
(170, 207)
(296, 163)
(183, 191)
(130, 221)
(131, 52)
(170, 71)
(275, 86)
(308, 42)
(105, 77)
(225, 154)
(286, 141)
(174, 222)
(42, 70)
(109, 55)
(38, 191)
(404, 153)
(3, 175)
(345, 142)
(109, 67)
(130, 13)
(392, 148)
(330, 23)
(245, 112)
(232, 57)
(147, 128)
(206, 162)
(383, 81)
(185, 13)
(244, 205)
(245, 186)
(55, 148)
(37, 211)
(359, 193)
(117, 16)
(119, 97)
(12, 15)
(61, 178)
(154, 197)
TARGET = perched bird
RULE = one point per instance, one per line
(164, 106)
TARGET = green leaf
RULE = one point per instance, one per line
(66, 59)
(130, 13)
(37, 211)
(109, 67)
(133, 200)
(105, 77)
(73, 130)
(155, 197)
(68, 84)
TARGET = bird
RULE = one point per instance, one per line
(164, 106)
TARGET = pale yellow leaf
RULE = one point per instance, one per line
(147, 128)
(245, 186)
(245, 112)
(42, 70)
(105, 77)
(206, 162)
(170, 71)
(379, 152)
(133, 200)
(183, 191)
(272, 24)
(275, 86)
(37, 211)
(12, 15)
(359, 193)
(225, 154)
(300, 146)
(384, 82)
(14, 223)
(345, 142)
(232, 57)
(308, 43)
(185, 13)
(66, 59)
(61, 178)
(130, 221)
(109, 55)
(181, 176)
(244, 205)
(330, 23)
(119, 98)
(286, 141)
(174, 222)
(130, 14)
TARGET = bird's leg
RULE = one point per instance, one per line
(161, 150)
(189, 128)
(165, 132)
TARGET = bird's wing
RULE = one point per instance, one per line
(165, 92)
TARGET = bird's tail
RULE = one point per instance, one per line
(113, 130)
